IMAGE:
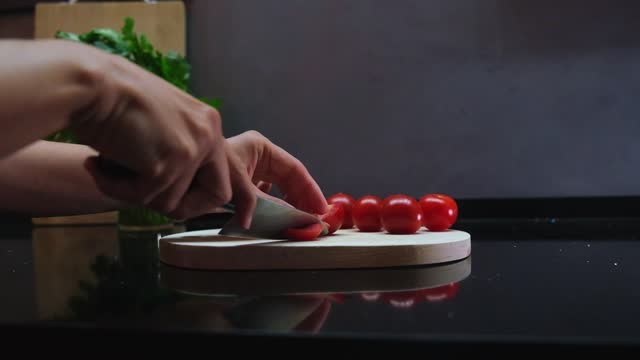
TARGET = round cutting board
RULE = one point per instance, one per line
(208, 250)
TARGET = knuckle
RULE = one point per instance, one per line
(213, 117)
(156, 169)
(187, 151)
(255, 135)
(208, 126)
(222, 196)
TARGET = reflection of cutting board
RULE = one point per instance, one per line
(345, 249)
(163, 23)
(271, 283)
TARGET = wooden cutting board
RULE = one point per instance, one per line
(163, 23)
(345, 249)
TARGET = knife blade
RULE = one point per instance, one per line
(270, 219)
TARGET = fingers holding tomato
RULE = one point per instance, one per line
(347, 203)
(334, 217)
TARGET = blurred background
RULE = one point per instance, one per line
(473, 98)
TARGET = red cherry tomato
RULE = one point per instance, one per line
(306, 233)
(334, 217)
(347, 202)
(401, 214)
(439, 212)
(366, 214)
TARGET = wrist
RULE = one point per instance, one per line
(92, 72)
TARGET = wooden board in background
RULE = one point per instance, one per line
(163, 23)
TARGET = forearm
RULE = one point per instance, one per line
(44, 85)
(49, 179)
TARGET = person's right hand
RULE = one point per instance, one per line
(171, 142)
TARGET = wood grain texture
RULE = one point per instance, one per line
(84, 219)
(343, 250)
(163, 23)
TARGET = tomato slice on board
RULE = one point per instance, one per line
(401, 214)
(366, 214)
(334, 217)
(439, 212)
(347, 201)
(305, 233)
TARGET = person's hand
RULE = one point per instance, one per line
(172, 144)
(267, 164)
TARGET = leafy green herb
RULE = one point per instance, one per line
(171, 66)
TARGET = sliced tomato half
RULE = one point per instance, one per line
(334, 217)
(305, 233)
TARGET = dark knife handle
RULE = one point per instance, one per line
(115, 170)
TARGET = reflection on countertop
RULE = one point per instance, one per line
(103, 275)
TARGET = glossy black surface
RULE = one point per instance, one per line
(512, 286)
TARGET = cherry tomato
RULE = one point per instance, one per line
(334, 217)
(306, 233)
(366, 214)
(401, 214)
(347, 202)
(439, 212)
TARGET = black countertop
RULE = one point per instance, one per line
(578, 286)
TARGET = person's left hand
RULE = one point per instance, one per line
(268, 164)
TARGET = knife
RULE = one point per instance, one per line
(269, 220)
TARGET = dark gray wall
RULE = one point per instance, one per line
(475, 98)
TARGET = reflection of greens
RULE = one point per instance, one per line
(118, 292)
(124, 287)
(171, 66)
